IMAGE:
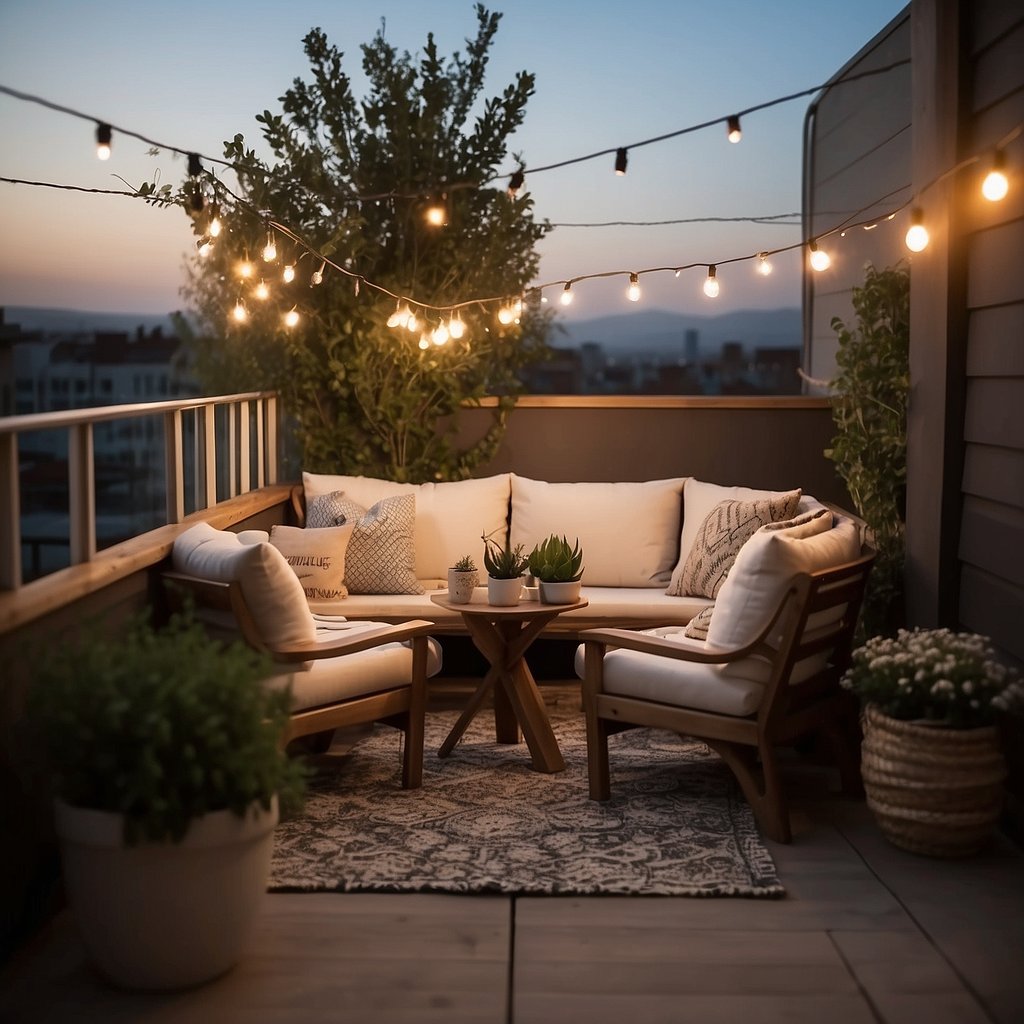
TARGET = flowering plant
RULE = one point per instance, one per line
(932, 674)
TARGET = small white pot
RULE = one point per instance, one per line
(504, 592)
(560, 593)
(461, 584)
(165, 915)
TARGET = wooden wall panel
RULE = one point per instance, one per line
(995, 473)
(994, 608)
(990, 539)
(994, 414)
(995, 345)
(995, 260)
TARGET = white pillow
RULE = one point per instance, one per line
(699, 498)
(765, 566)
(317, 558)
(451, 516)
(271, 590)
(627, 531)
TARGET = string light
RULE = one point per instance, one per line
(515, 182)
(733, 128)
(412, 324)
(995, 186)
(711, 283)
(104, 135)
(633, 293)
(240, 313)
(261, 291)
(436, 215)
(245, 268)
(820, 260)
(204, 247)
(317, 276)
(291, 318)
(917, 234)
(195, 165)
(764, 267)
(270, 249)
(505, 315)
(216, 226)
(567, 295)
(440, 335)
(456, 328)
(288, 274)
(620, 162)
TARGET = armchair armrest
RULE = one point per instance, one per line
(363, 640)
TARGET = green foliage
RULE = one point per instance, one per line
(555, 561)
(162, 727)
(365, 398)
(502, 561)
(870, 414)
(465, 564)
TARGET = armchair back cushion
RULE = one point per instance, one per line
(271, 589)
(450, 516)
(628, 531)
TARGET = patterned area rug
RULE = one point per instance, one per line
(485, 822)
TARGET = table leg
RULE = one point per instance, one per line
(529, 709)
(506, 724)
(469, 713)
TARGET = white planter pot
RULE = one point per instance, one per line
(504, 592)
(461, 584)
(560, 593)
(165, 915)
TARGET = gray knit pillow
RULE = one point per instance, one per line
(727, 527)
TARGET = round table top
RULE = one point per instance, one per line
(523, 610)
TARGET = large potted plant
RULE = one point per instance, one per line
(931, 760)
(505, 567)
(558, 568)
(167, 768)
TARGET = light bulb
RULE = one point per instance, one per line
(820, 260)
(400, 317)
(634, 288)
(104, 134)
(291, 318)
(240, 313)
(436, 215)
(318, 274)
(764, 267)
(261, 291)
(270, 250)
(995, 186)
(215, 226)
(456, 328)
(288, 274)
(505, 315)
(424, 343)
(439, 335)
(620, 162)
(412, 325)
(567, 295)
(245, 268)
(733, 128)
(515, 183)
(917, 234)
(711, 283)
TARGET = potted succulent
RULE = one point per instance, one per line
(931, 760)
(558, 568)
(505, 567)
(167, 767)
(462, 580)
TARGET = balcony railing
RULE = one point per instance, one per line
(214, 448)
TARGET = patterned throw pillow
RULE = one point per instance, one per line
(727, 527)
(381, 556)
(317, 557)
(697, 627)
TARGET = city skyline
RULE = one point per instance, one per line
(604, 78)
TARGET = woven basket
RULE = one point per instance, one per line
(934, 790)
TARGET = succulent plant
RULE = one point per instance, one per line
(555, 561)
(465, 564)
(501, 561)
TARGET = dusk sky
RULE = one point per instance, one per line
(608, 74)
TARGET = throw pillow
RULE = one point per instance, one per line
(381, 557)
(327, 510)
(317, 557)
(697, 627)
(726, 528)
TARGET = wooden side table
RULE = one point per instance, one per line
(503, 635)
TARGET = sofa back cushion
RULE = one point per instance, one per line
(765, 566)
(450, 516)
(628, 531)
(271, 589)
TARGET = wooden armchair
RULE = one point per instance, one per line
(341, 673)
(745, 701)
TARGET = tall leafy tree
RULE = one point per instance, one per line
(354, 177)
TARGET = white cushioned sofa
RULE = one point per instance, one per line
(641, 541)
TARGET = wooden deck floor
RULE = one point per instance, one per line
(867, 933)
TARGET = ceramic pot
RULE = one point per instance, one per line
(504, 592)
(933, 790)
(461, 584)
(559, 593)
(170, 914)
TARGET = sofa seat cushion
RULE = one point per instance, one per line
(271, 589)
(622, 605)
(682, 683)
(450, 516)
(628, 531)
(328, 680)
